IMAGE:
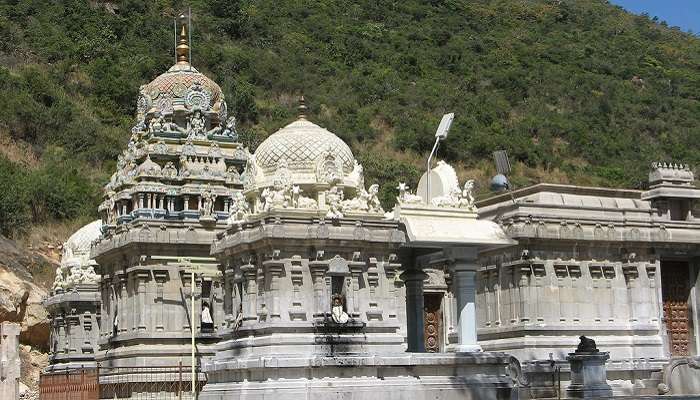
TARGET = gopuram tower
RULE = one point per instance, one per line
(163, 206)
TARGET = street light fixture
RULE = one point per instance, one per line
(440, 135)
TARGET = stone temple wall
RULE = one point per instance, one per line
(9, 360)
(552, 302)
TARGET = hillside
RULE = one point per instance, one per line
(576, 91)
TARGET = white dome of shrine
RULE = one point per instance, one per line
(302, 144)
(303, 153)
(76, 250)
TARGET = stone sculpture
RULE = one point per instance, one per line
(337, 313)
(156, 124)
(232, 174)
(466, 199)
(169, 170)
(239, 209)
(586, 345)
(208, 199)
(301, 201)
(334, 200)
(457, 198)
(196, 125)
(59, 282)
(405, 197)
(365, 201)
(230, 129)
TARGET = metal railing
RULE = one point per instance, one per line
(151, 383)
(73, 384)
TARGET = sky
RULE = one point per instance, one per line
(684, 14)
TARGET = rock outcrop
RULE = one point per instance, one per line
(21, 293)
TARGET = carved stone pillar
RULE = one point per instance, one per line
(464, 281)
(273, 269)
(159, 313)
(189, 286)
(229, 293)
(141, 278)
(296, 308)
(237, 293)
(414, 309)
(318, 274)
(186, 203)
(123, 297)
(61, 340)
(356, 272)
(391, 268)
(374, 311)
(249, 272)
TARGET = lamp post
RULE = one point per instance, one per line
(204, 269)
(440, 135)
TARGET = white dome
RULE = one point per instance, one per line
(302, 153)
(76, 250)
(302, 143)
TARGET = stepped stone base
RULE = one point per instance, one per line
(437, 376)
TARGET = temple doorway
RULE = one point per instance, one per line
(432, 322)
(675, 292)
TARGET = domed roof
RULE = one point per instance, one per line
(302, 144)
(77, 247)
(181, 84)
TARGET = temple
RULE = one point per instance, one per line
(279, 272)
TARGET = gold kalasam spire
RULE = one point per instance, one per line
(183, 47)
(302, 108)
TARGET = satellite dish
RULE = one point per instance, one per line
(499, 183)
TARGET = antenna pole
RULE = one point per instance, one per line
(427, 181)
(175, 32)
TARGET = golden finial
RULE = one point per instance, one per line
(302, 108)
(183, 47)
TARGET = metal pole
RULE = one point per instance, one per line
(427, 182)
(192, 326)
(175, 30)
(179, 380)
(189, 32)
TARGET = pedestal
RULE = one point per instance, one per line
(588, 375)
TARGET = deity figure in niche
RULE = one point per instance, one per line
(196, 125)
(156, 124)
(208, 199)
(337, 310)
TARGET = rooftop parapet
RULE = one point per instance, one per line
(669, 173)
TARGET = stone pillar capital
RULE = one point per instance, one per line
(461, 254)
(412, 275)
(318, 268)
(275, 267)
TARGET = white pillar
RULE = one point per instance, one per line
(464, 269)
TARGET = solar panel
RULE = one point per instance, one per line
(502, 163)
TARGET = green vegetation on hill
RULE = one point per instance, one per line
(578, 89)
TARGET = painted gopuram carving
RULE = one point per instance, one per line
(176, 185)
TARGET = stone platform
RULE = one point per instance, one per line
(439, 376)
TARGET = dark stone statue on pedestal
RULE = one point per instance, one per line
(588, 373)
